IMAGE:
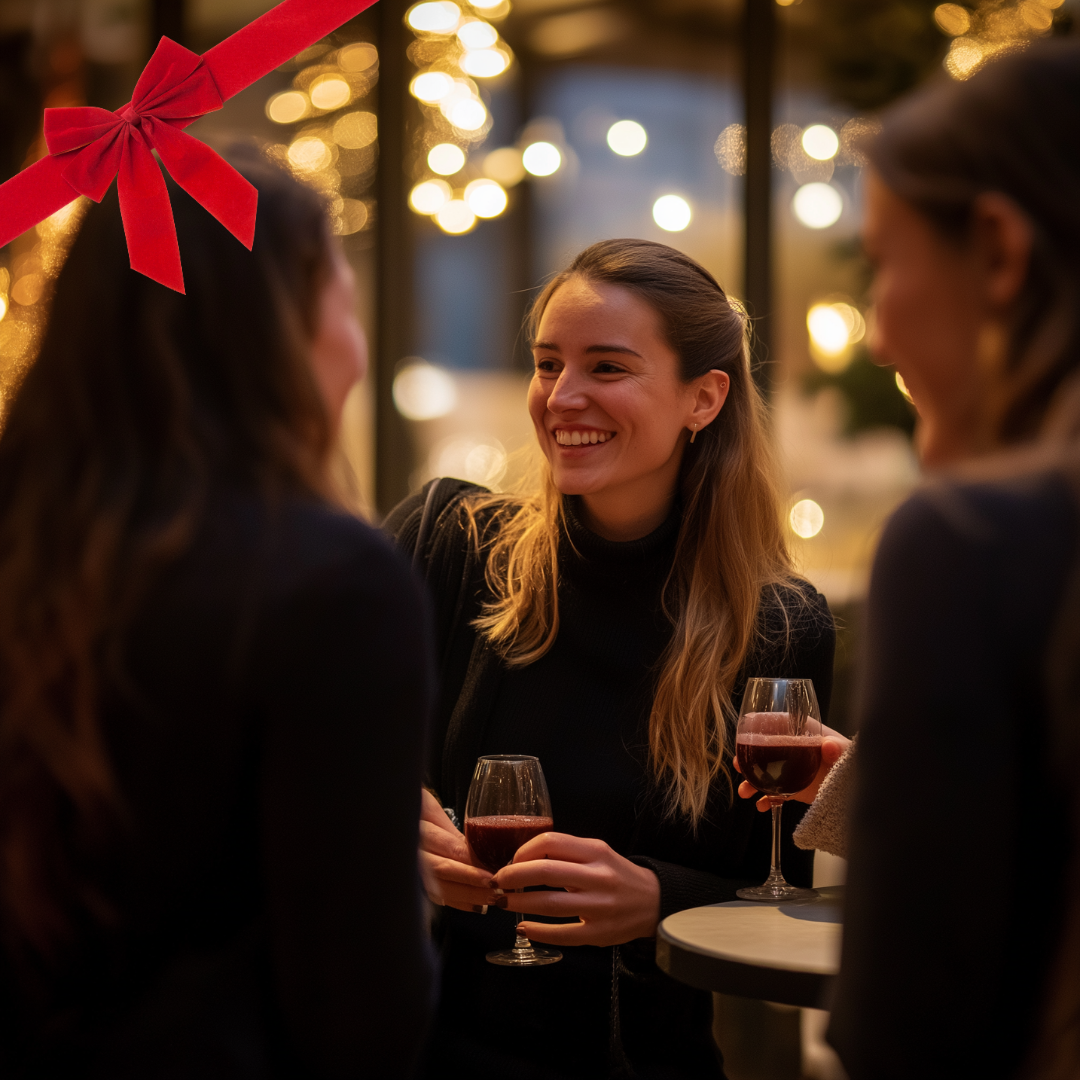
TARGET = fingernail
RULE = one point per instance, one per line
(500, 902)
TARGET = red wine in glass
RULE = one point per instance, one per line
(508, 804)
(496, 838)
(778, 747)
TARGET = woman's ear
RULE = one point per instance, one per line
(710, 393)
(1002, 237)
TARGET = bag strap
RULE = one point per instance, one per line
(429, 516)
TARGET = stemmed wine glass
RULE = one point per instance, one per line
(508, 804)
(778, 746)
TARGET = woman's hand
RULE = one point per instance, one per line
(614, 899)
(451, 876)
(832, 748)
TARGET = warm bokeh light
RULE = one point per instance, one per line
(310, 154)
(485, 63)
(627, 138)
(672, 213)
(467, 114)
(486, 198)
(289, 107)
(446, 159)
(480, 461)
(964, 58)
(952, 19)
(434, 17)
(430, 196)
(730, 149)
(820, 142)
(504, 165)
(455, 217)
(902, 387)
(541, 158)
(829, 331)
(356, 130)
(350, 216)
(423, 391)
(818, 205)
(28, 289)
(806, 518)
(357, 57)
(3, 307)
(431, 86)
(477, 34)
(330, 92)
(493, 9)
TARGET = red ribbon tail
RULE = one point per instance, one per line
(148, 219)
(32, 195)
(208, 179)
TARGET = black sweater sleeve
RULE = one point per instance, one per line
(803, 651)
(347, 690)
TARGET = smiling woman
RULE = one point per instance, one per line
(607, 624)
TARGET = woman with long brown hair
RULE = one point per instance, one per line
(212, 681)
(962, 925)
(607, 625)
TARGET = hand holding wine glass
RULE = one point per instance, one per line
(778, 749)
(833, 746)
(508, 805)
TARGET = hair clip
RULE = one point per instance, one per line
(89, 147)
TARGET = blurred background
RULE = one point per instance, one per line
(469, 148)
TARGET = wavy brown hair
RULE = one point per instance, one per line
(141, 401)
(731, 543)
(1014, 129)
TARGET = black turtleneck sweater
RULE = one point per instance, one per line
(583, 709)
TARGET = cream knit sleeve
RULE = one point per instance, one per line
(825, 825)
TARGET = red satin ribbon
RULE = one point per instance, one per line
(90, 147)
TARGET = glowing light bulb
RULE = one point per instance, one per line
(431, 86)
(486, 198)
(477, 34)
(806, 518)
(541, 158)
(434, 17)
(817, 205)
(820, 142)
(329, 93)
(289, 107)
(672, 213)
(430, 197)
(310, 154)
(484, 63)
(627, 138)
(468, 114)
(446, 159)
(455, 217)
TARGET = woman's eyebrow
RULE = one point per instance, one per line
(614, 349)
(549, 345)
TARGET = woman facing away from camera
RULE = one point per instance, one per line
(607, 625)
(213, 683)
(962, 926)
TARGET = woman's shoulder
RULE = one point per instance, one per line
(968, 522)
(793, 605)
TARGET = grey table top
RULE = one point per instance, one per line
(789, 953)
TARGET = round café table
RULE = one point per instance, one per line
(787, 953)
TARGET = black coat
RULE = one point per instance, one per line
(267, 747)
(597, 1010)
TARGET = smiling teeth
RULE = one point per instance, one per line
(580, 438)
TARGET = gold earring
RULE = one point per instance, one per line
(694, 436)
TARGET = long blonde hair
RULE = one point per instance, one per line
(730, 547)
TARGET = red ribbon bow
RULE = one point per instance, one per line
(89, 147)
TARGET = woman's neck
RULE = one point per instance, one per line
(615, 517)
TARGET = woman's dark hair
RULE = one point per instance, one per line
(140, 402)
(1013, 128)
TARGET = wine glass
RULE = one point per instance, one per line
(778, 746)
(508, 804)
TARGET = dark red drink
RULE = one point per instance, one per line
(779, 764)
(495, 839)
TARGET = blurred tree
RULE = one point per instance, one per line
(872, 51)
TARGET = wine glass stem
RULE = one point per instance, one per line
(520, 941)
(775, 876)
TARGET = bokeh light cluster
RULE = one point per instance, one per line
(990, 28)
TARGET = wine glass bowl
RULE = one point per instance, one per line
(508, 804)
(778, 748)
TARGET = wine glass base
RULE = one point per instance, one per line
(532, 957)
(776, 893)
